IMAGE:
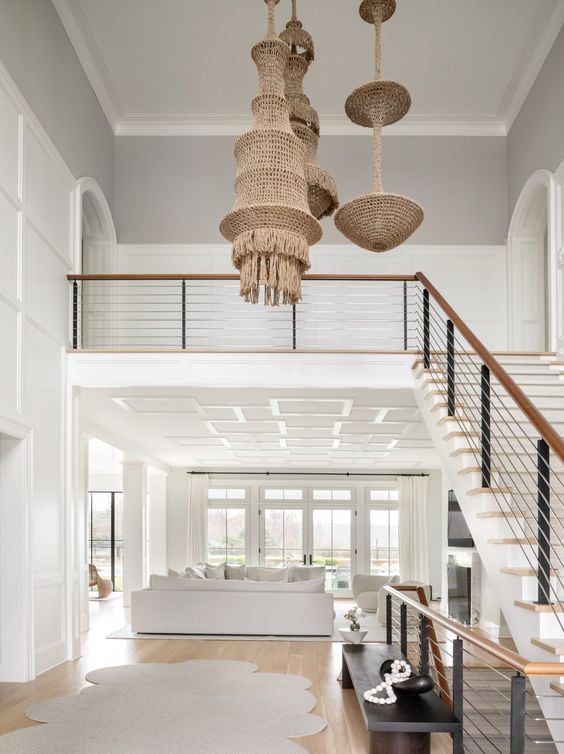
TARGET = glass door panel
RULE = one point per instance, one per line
(282, 537)
(331, 545)
(384, 542)
(105, 535)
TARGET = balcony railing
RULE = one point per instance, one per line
(205, 312)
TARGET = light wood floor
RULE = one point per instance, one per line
(319, 661)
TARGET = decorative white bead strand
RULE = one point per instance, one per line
(401, 671)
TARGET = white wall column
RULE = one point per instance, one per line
(157, 560)
(134, 520)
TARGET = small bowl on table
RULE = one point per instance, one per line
(352, 637)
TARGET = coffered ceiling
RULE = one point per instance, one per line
(183, 66)
(214, 428)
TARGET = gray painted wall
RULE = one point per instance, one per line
(35, 49)
(176, 189)
(536, 139)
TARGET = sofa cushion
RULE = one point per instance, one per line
(273, 574)
(173, 574)
(215, 572)
(166, 583)
(194, 572)
(306, 573)
(235, 572)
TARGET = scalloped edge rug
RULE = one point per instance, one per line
(199, 706)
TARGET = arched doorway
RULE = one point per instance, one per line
(96, 245)
(532, 266)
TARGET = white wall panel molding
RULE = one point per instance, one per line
(541, 40)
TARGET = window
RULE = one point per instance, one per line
(378, 495)
(335, 495)
(227, 534)
(105, 535)
(384, 540)
(286, 494)
(221, 493)
(282, 541)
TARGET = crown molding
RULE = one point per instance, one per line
(331, 125)
(540, 42)
(91, 59)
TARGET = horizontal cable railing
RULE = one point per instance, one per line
(201, 312)
(498, 695)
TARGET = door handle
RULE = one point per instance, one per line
(310, 559)
(305, 558)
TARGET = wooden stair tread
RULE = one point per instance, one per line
(558, 687)
(513, 541)
(554, 646)
(516, 571)
(500, 514)
(533, 607)
(457, 418)
(490, 491)
(451, 435)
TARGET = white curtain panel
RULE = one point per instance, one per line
(197, 534)
(412, 502)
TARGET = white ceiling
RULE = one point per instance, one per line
(183, 66)
(221, 428)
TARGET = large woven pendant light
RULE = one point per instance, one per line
(322, 190)
(270, 226)
(378, 221)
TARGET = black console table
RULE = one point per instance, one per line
(401, 728)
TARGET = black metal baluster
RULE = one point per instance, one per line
(293, 327)
(388, 619)
(543, 521)
(451, 377)
(517, 734)
(458, 693)
(405, 315)
(423, 646)
(75, 314)
(485, 403)
(426, 331)
(183, 314)
(403, 629)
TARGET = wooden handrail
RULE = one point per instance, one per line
(507, 656)
(368, 278)
(543, 427)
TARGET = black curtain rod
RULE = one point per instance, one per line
(293, 473)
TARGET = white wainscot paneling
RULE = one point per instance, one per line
(49, 626)
(9, 145)
(48, 197)
(9, 249)
(474, 282)
(9, 363)
(43, 406)
(46, 286)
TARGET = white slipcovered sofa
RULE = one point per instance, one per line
(172, 605)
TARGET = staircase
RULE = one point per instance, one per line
(500, 469)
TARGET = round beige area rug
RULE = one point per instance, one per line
(200, 706)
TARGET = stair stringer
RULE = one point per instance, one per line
(523, 624)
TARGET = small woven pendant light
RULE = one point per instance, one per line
(270, 226)
(378, 221)
(322, 189)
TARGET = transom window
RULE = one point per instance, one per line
(284, 494)
(335, 495)
(382, 495)
(229, 493)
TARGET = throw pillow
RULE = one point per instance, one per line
(306, 573)
(194, 572)
(235, 572)
(215, 572)
(273, 574)
(172, 572)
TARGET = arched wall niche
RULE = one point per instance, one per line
(534, 303)
(95, 243)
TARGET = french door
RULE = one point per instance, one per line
(310, 535)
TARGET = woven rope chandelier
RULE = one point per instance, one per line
(271, 227)
(322, 189)
(378, 221)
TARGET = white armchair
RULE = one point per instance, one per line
(382, 597)
(366, 589)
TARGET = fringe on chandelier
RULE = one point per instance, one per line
(271, 227)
